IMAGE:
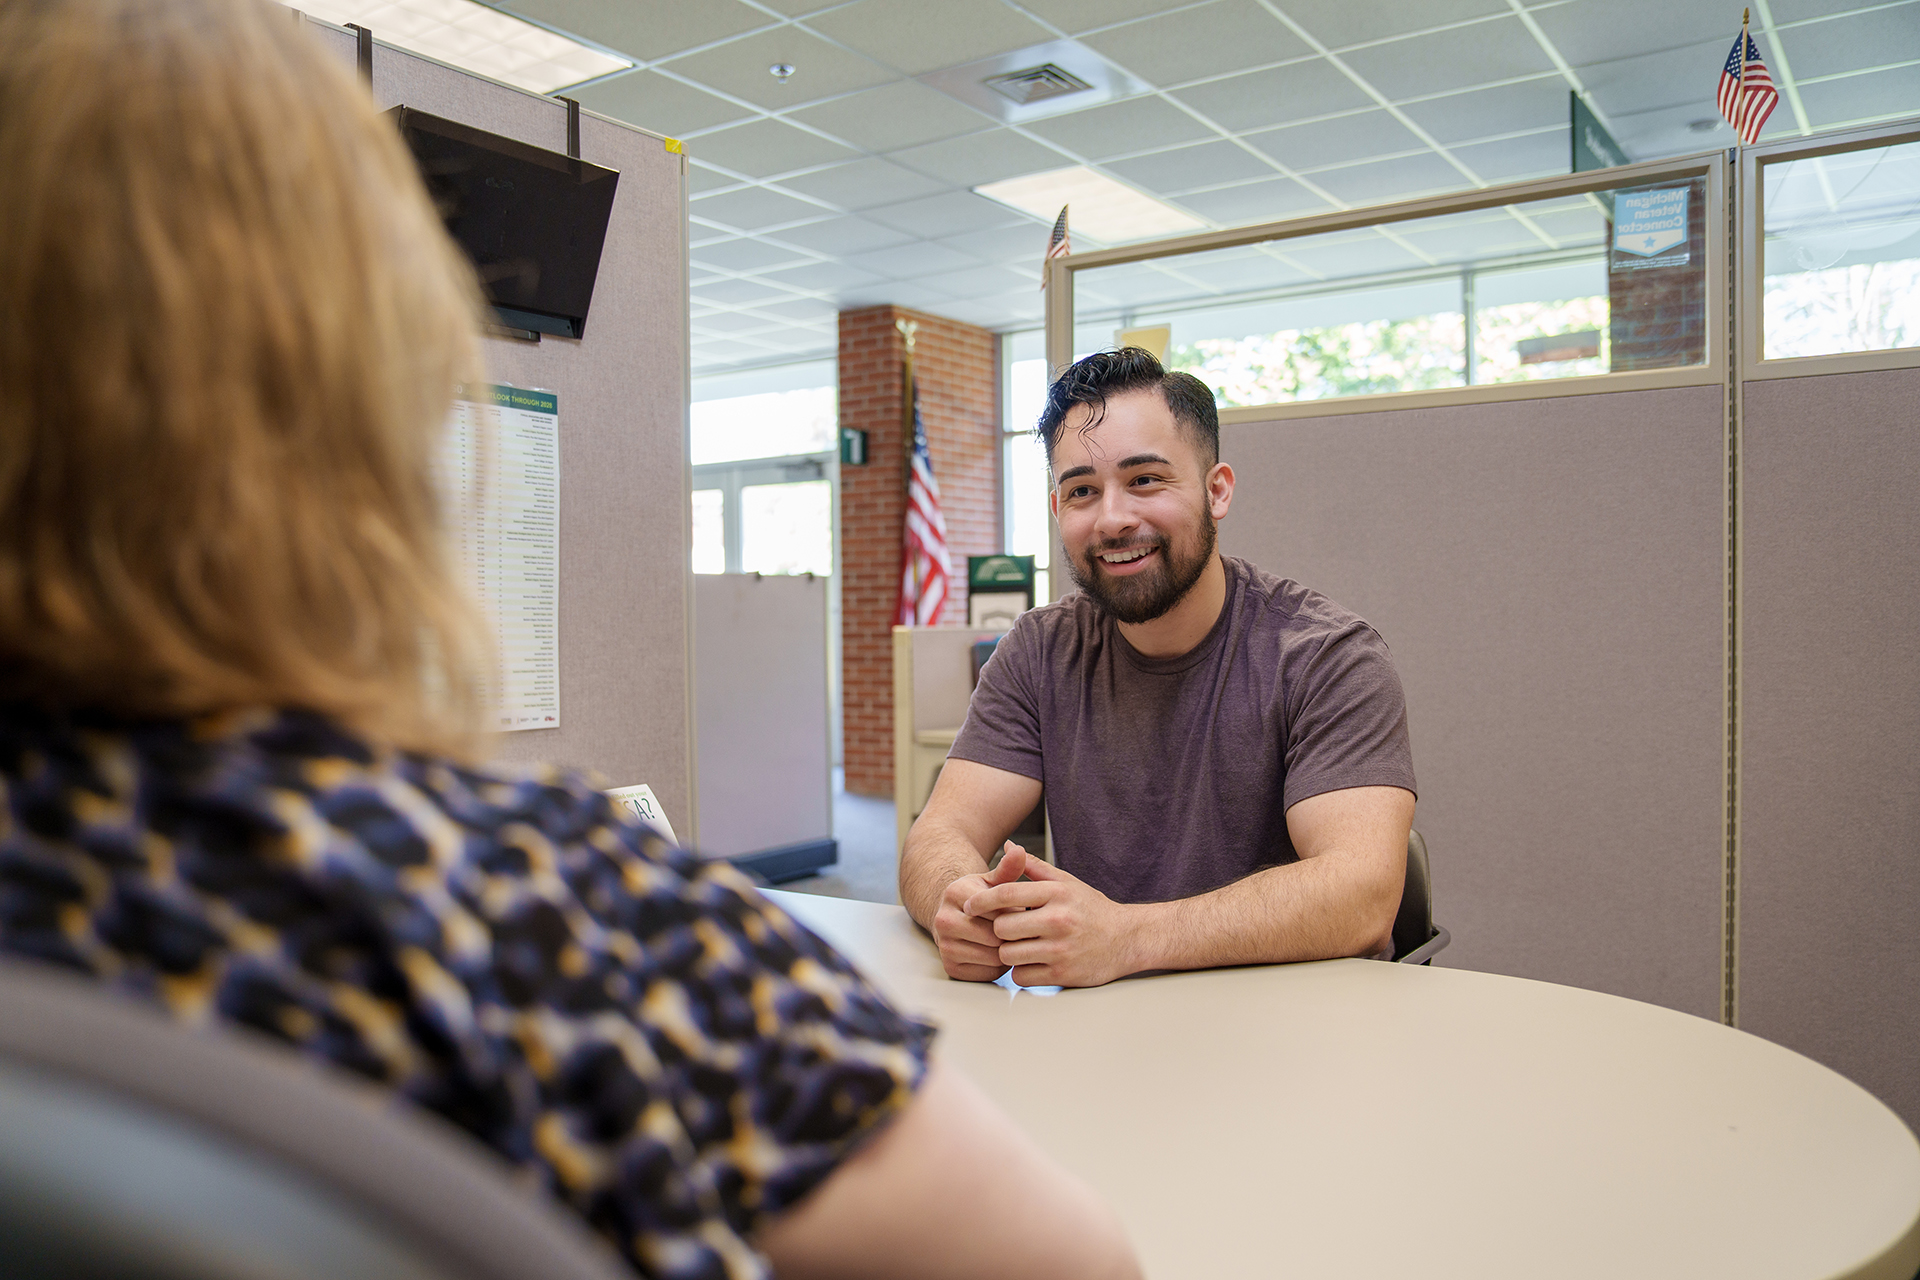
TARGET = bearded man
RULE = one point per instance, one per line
(1224, 752)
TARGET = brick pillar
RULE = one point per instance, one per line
(959, 403)
(1659, 314)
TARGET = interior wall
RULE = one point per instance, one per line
(760, 645)
(1830, 720)
(956, 365)
(1549, 575)
(625, 586)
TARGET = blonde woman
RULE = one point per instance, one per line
(239, 695)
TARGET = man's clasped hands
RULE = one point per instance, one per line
(1050, 928)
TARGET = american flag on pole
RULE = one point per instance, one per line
(924, 565)
(1058, 245)
(1747, 95)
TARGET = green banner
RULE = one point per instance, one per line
(511, 398)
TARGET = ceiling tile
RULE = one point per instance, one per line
(1257, 99)
(1336, 259)
(1337, 141)
(744, 255)
(734, 324)
(1590, 31)
(646, 29)
(825, 277)
(740, 68)
(725, 351)
(1649, 82)
(653, 101)
(1383, 180)
(1076, 16)
(803, 310)
(1878, 93)
(1023, 243)
(1537, 155)
(863, 184)
(1497, 50)
(1122, 128)
(949, 213)
(1669, 131)
(1205, 165)
(1266, 201)
(1785, 11)
(799, 8)
(1573, 227)
(981, 157)
(1507, 108)
(1849, 43)
(903, 114)
(1339, 23)
(1242, 272)
(1468, 237)
(973, 282)
(899, 294)
(700, 178)
(841, 236)
(914, 36)
(1226, 35)
(762, 148)
(752, 208)
(913, 260)
(740, 293)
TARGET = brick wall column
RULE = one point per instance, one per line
(959, 403)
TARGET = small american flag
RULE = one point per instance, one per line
(924, 565)
(1058, 245)
(1747, 95)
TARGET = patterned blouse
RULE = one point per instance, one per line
(672, 1054)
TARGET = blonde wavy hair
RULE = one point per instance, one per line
(230, 329)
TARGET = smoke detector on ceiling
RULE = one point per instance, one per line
(1036, 84)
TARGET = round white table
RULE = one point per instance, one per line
(1357, 1119)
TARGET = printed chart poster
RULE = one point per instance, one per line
(500, 470)
(1650, 228)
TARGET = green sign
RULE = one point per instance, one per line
(853, 447)
(1000, 573)
(511, 398)
(1593, 146)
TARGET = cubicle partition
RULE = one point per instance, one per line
(625, 598)
(1549, 575)
(1829, 794)
(1640, 535)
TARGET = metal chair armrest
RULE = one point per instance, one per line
(1429, 949)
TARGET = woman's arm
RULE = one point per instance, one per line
(949, 1189)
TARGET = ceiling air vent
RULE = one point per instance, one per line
(1035, 84)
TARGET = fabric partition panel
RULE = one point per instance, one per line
(766, 766)
(625, 585)
(1830, 724)
(1550, 576)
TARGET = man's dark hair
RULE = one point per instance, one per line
(1090, 381)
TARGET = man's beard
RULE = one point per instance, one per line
(1142, 597)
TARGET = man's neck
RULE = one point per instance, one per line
(1185, 625)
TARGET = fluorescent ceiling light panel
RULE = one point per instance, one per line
(474, 38)
(1099, 207)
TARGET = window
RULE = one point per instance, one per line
(1841, 252)
(1028, 529)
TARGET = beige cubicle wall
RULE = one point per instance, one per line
(1830, 711)
(1549, 575)
(625, 587)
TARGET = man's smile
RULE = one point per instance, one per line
(1127, 560)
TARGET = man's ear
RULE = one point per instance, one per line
(1219, 490)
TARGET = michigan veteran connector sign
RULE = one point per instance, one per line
(1650, 228)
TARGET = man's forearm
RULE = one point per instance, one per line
(934, 858)
(1306, 910)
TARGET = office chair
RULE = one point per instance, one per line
(1416, 938)
(132, 1148)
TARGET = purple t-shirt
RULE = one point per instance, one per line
(1169, 777)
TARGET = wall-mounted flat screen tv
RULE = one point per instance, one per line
(533, 221)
